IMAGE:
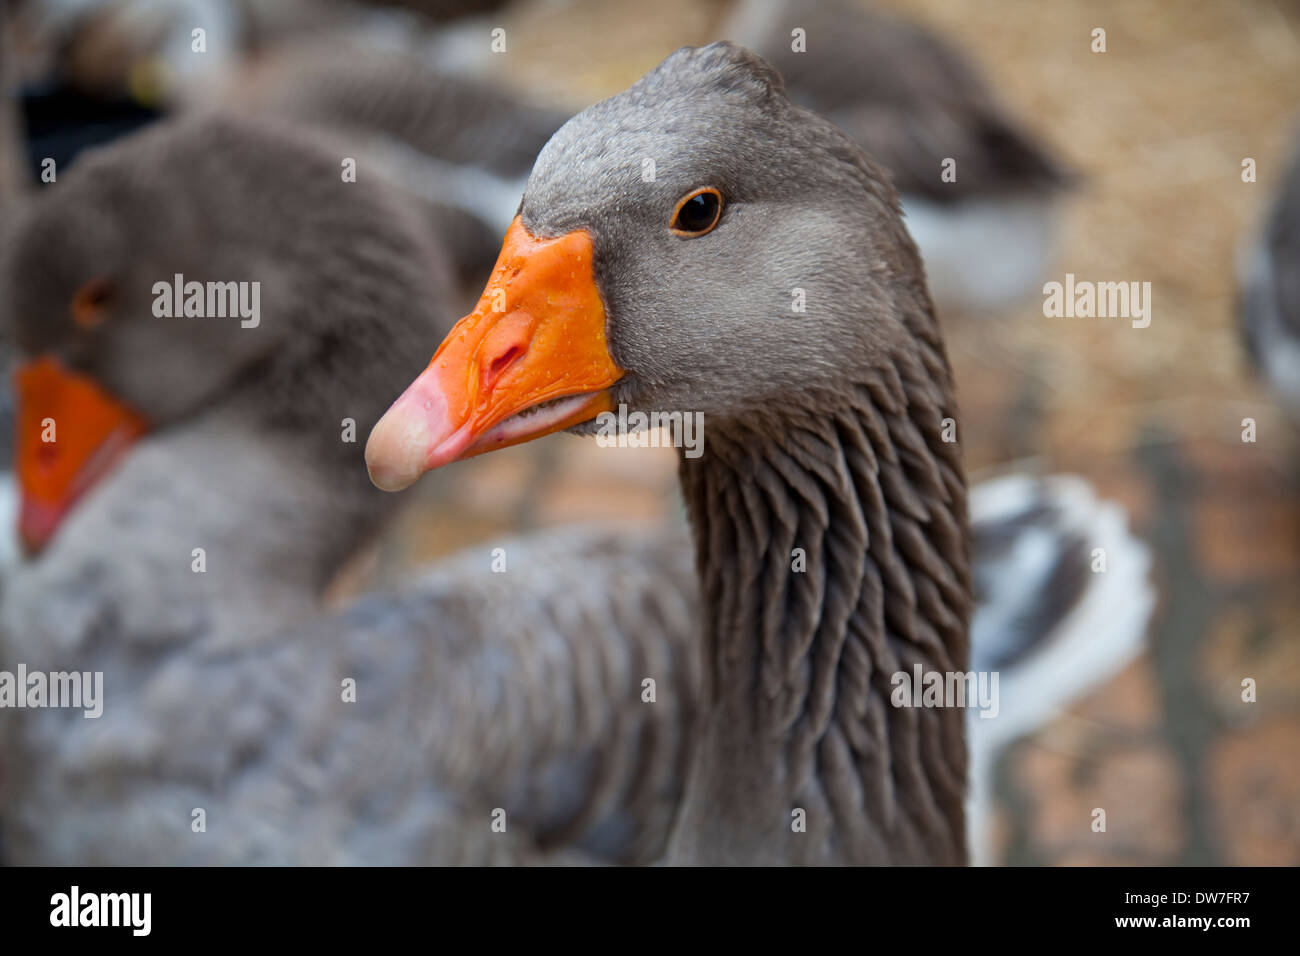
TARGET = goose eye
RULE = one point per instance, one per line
(697, 213)
(90, 304)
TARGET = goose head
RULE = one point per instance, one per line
(696, 243)
(107, 352)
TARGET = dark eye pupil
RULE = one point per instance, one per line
(698, 213)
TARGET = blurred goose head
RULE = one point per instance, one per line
(210, 265)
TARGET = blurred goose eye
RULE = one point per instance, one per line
(697, 213)
(90, 304)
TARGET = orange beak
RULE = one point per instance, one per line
(530, 359)
(70, 434)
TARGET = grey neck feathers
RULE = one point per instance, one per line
(798, 663)
(316, 506)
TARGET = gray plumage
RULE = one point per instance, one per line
(343, 83)
(474, 691)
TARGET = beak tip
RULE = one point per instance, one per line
(36, 525)
(399, 448)
(389, 469)
(385, 480)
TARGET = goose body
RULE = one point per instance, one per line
(448, 733)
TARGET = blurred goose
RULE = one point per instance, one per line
(122, 56)
(201, 492)
(1269, 300)
(912, 101)
(138, 48)
(829, 514)
(462, 144)
(1046, 620)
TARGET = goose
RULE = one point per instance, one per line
(416, 127)
(913, 101)
(201, 493)
(1269, 297)
(829, 513)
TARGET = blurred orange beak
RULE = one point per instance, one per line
(70, 434)
(530, 359)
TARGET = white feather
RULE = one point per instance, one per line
(10, 549)
(983, 255)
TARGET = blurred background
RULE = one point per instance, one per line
(1153, 132)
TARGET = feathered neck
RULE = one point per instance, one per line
(832, 549)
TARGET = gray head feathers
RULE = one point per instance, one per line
(349, 282)
(711, 324)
